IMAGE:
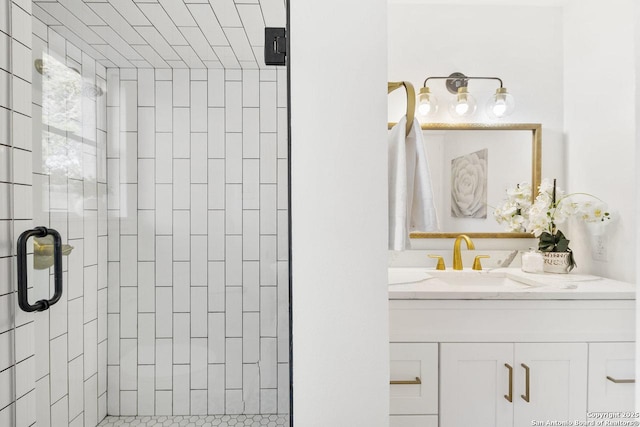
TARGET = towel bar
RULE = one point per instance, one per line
(411, 100)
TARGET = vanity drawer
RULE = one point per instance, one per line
(413, 421)
(414, 379)
(611, 368)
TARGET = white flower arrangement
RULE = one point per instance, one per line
(520, 215)
(514, 211)
(591, 212)
(550, 208)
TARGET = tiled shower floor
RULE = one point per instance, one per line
(198, 421)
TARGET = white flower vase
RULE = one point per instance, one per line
(597, 228)
(599, 240)
(557, 262)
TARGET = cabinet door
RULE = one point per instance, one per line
(611, 372)
(557, 382)
(474, 385)
(414, 378)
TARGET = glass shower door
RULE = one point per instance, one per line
(69, 195)
(161, 157)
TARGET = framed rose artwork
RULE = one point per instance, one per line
(469, 185)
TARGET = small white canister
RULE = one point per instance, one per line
(532, 261)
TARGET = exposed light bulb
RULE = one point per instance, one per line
(499, 108)
(462, 108)
(424, 109)
(463, 104)
(427, 103)
(501, 104)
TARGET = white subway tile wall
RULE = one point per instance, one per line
(18, 387)
(197, 240)
(171, 185)
(70, 195)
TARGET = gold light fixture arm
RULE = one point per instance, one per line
(458, 80)
(411, 100)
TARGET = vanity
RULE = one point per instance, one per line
(504, 348)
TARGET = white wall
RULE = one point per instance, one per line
(558, 61)
(339, 211)
(518, 43)
(198, 242)
(600, 124)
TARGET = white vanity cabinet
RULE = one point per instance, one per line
(508, 384)
(569, 347)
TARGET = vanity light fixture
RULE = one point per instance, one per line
(463, 104)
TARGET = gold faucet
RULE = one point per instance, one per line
(440, 265)
(476, 262)
(457, 257)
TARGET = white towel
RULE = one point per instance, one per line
(411, 206)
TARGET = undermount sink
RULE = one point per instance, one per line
(480, 282)
(485, 280)
(413, 283)
(408, 275)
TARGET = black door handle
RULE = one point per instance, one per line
(23, 300)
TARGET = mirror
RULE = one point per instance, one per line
(471, 165)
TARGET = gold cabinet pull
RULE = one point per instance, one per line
(406, 382)
(509, 396)
(526, 397)
(622, 381)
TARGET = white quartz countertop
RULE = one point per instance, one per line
(503, 283)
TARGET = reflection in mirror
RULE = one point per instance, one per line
(471, 167)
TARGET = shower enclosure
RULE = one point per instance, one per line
(152, 137)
